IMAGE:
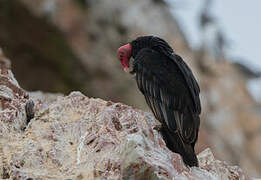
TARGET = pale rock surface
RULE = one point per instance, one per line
(78, 137)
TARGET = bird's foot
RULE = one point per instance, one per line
(157, 127)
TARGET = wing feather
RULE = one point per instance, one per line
(190, 80)
(162, 46)
(167, 100)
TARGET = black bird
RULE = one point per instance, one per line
(170, 90)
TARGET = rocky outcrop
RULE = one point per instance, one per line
(76, 137)
(12, 100)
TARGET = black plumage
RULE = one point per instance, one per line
(171, 92)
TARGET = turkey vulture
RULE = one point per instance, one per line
(170, 90)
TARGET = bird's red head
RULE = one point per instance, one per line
(124, 55)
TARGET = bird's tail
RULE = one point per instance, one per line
(177, 145)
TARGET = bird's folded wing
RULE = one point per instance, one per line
(166, 92)
(190, 81)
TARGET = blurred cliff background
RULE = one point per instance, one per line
(61, 46)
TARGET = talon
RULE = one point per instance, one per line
(157, 127)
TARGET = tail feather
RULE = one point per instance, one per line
(175, 143)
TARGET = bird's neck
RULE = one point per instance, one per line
(140, 43)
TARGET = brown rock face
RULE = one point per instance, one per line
(41, 56)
